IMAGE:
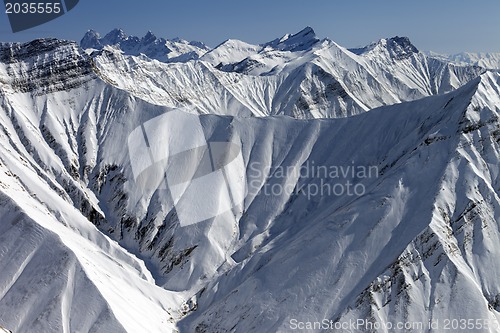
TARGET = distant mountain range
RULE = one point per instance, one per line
(296, 75)
(175, 50)
(486, 60)
(166, 50)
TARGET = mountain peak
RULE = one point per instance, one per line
(302, 40)
(306, 31)
(396, 47)
(114, 37)
(149, 35)
(401, 45)
(92, 32)
(91, 40)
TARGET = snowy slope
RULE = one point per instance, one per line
(60, 274)
(100, 254)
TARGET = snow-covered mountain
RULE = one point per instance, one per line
(485, 60)
(83, 248)
(174, 50)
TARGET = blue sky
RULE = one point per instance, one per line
(439, 25)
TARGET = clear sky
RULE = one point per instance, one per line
(446, 26)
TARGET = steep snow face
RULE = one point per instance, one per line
(175, 50)
(59, 273)
(485, 60)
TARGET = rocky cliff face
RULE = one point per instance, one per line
(45, 65)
